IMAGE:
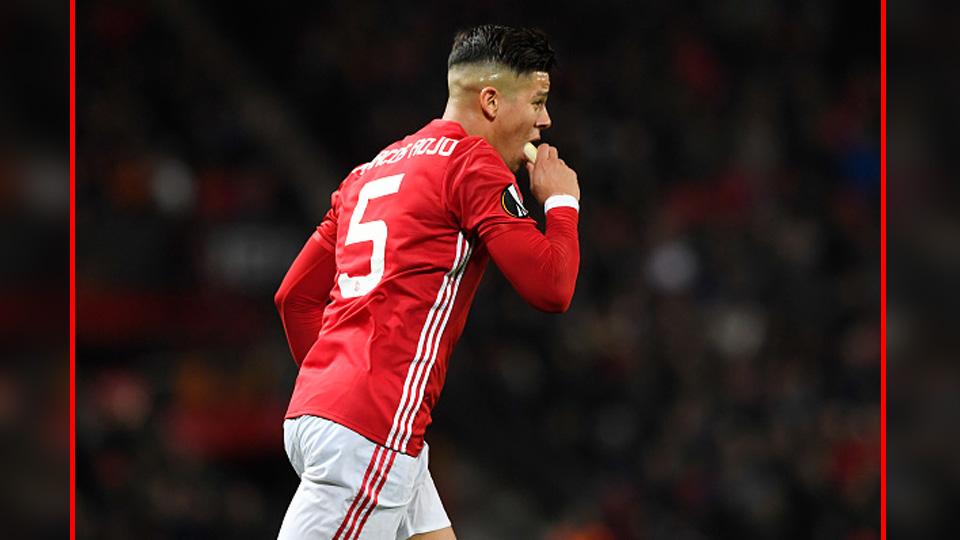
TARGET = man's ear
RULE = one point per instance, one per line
(490, 102)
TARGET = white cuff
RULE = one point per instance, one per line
(554, 201)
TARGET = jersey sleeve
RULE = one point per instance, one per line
(327, 229)
(484, 196)
(305, 289)
(542, 267)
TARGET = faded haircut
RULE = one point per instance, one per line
(523, 50)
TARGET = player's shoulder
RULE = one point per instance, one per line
(461, 145)
(440, 143)
(473, 147)
(475, 153)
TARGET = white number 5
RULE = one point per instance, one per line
(371, 231)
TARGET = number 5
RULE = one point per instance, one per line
(371, 231)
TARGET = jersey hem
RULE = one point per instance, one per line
(365, 433)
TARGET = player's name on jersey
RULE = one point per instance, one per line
(428, 146)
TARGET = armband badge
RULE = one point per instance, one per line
(511, 203)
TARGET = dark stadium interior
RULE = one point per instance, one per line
(717, 375)
(34, 262)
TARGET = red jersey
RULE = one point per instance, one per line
(376, 301)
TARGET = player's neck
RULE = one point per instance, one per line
(468, 120)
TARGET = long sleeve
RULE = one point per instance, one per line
(485, 200)
(305, 290)
(541, 267)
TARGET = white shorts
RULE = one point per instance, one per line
(352, 488)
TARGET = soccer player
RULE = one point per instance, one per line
(374, 303)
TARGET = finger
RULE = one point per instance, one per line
(530, 169)
(553, 152)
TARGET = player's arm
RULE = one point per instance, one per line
(305, 290)
(542, 267)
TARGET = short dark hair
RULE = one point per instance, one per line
(521, 49)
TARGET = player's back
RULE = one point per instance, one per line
(406, 275)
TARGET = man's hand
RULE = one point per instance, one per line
(550, 175)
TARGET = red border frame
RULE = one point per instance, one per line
(883, 271)
(73, 277)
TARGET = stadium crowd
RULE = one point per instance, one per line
(717, 375)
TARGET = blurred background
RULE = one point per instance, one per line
(716, 377)
(34, 269)
(924, 261)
